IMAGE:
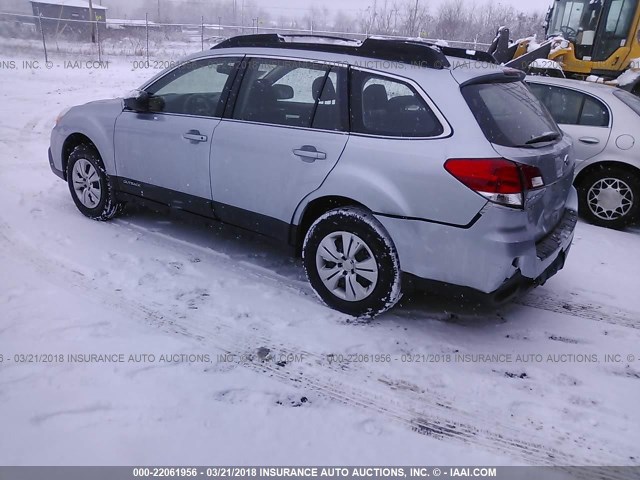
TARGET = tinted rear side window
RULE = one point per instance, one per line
(508, 113)
(389, 107)
(629, 99)
(292, 93)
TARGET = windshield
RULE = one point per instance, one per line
(572, 16)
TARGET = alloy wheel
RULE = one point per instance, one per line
(346, 266)
(86, 183)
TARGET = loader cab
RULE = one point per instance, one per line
(597, 28)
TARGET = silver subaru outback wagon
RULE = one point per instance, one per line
(389, 164)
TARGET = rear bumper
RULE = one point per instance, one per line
(496, 257)
(511, 289)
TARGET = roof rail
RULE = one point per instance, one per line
(258, 40)
(469, 54)
(396, 50)
(320, 37)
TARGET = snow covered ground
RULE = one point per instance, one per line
(147, 284)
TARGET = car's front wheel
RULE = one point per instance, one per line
(610, 197)
(352, 263)
(91, 188)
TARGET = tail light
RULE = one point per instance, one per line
(497, 179)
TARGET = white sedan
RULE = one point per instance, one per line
(604, 122)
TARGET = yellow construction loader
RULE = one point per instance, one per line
(597, 40)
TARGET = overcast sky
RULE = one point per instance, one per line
(355, 5)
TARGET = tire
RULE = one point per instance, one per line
(91, 188)
(373, 265)
(606, 187)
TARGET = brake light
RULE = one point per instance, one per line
(497, 179)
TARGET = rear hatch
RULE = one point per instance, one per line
(521, 129)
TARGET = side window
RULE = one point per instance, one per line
(289, 93)
(330, 108)
(594, 113)
(569, 107)
(618, 22)
(196, 88)
(620, 18)
(388, 107)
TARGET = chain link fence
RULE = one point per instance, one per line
(143, 39)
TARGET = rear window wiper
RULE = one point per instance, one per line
(545, 137)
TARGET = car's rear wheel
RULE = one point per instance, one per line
(352, 263)
(91, 188)
(610, 197)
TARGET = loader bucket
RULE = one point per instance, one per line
(523, 62)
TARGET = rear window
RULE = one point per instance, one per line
(629, 99)
(508, 113)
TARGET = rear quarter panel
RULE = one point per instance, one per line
(406, 177)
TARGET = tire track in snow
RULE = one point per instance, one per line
(425, 413)
(590, 311)
(534, 299)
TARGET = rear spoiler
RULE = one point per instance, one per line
(506, 75)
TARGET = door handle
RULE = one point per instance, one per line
(194, 136)
(589, 140)
(309, 153)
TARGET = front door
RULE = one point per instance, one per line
(285, 134)
(164, 154)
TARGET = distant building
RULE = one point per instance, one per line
(129, 24)
(68, 16)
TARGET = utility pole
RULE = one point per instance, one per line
(158, 11)
(242, 16)
(415, 19)
(93, 24)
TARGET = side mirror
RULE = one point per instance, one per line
(138, 101)
(283, 92)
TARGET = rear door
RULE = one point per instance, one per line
(520, 129)
(584, 117)
(284, 134)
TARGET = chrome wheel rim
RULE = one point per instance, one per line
(346, 266)
(86, 183)
(610, 199)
